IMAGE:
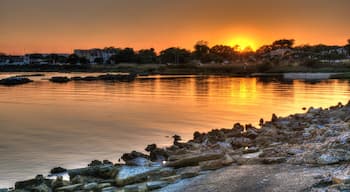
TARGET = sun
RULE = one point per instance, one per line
(243, 43)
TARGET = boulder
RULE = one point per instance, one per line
(29, 184)
(327, 159)
(41, 188)
(90, 186)
(138, 161)
(153, 185)
(273, 160)
(188, 172)
(107, 171)
(109, 189)
(194, 159)
(70, 188)
(11, 81)
(59, 79)
(131, 174)
(211, 165)
(59, 182)
(133, 155)
(136, 188)
(58, 170)
(157, 154)
(341, 179)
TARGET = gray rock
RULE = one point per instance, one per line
(136, 188)
(90, 186)
(211, 165)
(152, 185)
(129, 174)
(188, 172)
(109, 189)
(273, 160)
(138, 161)
(41, 188)
(327, 159)
(341, 179)
(194, 159)
(70, 188)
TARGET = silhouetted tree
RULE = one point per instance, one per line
(126, 55)
(146, 56)
(201, 51)
(175, 55)
(73, 59)
(283, 43)
(220, 53)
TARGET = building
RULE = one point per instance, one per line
(94, 55)
(44, 59)
(11, 60)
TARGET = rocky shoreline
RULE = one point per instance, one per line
(23, 79)
(316, 139)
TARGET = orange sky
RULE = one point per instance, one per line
(61, 26)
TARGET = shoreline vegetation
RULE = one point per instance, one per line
(281, 56)
(313, 146)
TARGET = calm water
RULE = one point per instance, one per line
(43, 125)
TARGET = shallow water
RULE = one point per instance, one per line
(43, 125)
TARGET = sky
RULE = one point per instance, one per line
(60, 26)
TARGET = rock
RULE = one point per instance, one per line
(198, 137)
(211, 165)
(57, 170)
(152, 185)
(59, 182)
(239, 142)
(77, 78)
(70, 188)
(157, 154)
(110, 189)
(77, 179)
(341, 179)
(133, 155)
(130, 175)
(95, 163)
(228, 160)
(28, 184)
(41, 188)
(11, 81)
(251, 133)
(273, 160)
(90, 78)
(136, 188)
(327, 159)
(90, 186)
(250, 150)
(107, 171)
(103, 185)
(112, 77)
(4, 190)
(138, 161)
(194, 159)
(59, 79)
(294, 151)
(188, 172)
(171, 179)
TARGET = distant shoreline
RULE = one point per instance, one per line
(185, 69)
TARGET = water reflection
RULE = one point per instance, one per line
(43, 124)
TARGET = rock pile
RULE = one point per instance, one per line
(318, 137)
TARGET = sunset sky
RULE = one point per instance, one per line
(62, 25)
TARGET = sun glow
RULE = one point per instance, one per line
(243, 43)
